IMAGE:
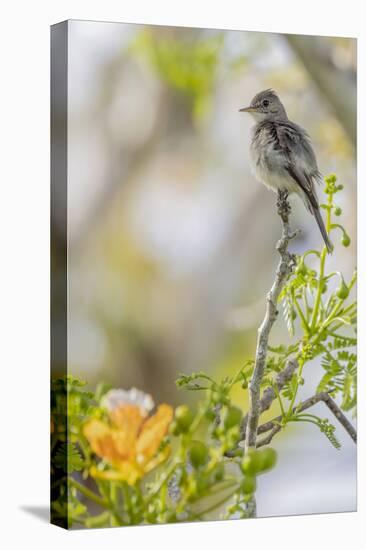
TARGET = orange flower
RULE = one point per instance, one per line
(130, 441)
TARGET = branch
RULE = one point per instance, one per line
(267, 440)
(310, 402)
(269, 394)
(284, 269)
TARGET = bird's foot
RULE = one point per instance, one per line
(283, 206)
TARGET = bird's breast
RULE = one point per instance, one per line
(268, 162)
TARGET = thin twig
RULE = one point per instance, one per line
(269, 395)
(310, 402)
(284, 269)
(267, 440)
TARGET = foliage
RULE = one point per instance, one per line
(189, 66)
(190, 481)
(325, 320)
(115, 463)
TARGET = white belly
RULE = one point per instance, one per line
(273, 175)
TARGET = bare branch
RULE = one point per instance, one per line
(284, 268)
(267, 440)
(269, 394)
(310, 402)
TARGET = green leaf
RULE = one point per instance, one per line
(68, 458)
(288, 312)
(329, 431)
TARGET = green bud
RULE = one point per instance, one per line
(338, 211)
(343, 291)
(332, 178)
(216, 398)
(251, 463)
(217, 432)
(324, 288)
(301, 268)
(174, 428)
(248, 485)
(346, 241)
(233, 436)
(323, 336)
(340, 187)
(183, 417)
(269, 459)
(293, 314)
(198, 454)
(232, 417)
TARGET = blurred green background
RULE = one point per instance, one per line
(171, 239)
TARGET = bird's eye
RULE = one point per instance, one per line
(265, 103)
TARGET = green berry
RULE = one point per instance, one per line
(232, 417)
(216, 398)
(248, 485)
(343, 291)
(233, 436)
(346, 241)
(198, 454)
(174, 428)
(338, 211)
(269, 459)
(251, 463)
(183, 417)
(332, 178)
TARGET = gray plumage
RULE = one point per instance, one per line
(282, 156)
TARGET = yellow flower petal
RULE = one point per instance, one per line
(152, 433)
(108, 443)
(128, 418)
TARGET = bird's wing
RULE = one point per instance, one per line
(300, 161)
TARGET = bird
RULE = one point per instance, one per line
(282, 156)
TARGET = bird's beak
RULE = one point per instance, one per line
(247, 110)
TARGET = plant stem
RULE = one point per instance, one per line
(304, 322)
(322, 267)
(299, 375)
(279, 399)
(89, 494)
(218, 488)
(214, 506)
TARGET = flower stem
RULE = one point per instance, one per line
(88, 493)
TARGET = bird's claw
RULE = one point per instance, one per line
(283, 206)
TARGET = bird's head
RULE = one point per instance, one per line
(266, 106)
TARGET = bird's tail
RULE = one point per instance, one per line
(323, 231)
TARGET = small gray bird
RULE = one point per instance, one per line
(281, 154)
